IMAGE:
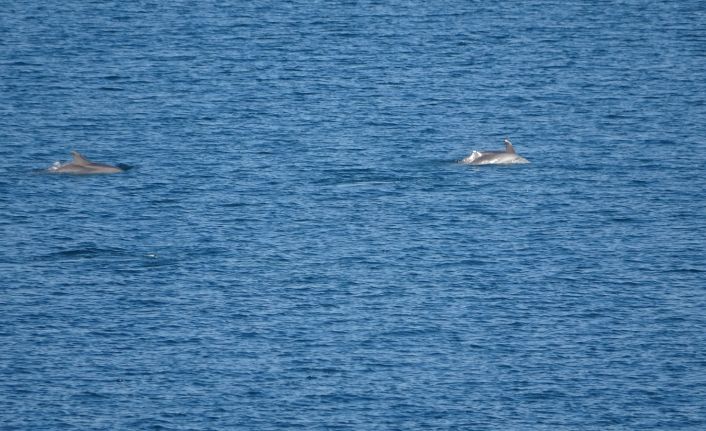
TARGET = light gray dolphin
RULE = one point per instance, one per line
(81, 166)
(506, 157)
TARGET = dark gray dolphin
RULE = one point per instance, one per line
(507, 157)
(81, 166)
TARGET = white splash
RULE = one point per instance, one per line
(474, 155)
(55, 166)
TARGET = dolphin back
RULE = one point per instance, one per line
(80, 165)
(507, 157)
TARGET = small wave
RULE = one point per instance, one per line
(83, 253)
(686, 270)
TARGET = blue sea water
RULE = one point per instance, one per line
(296, 245)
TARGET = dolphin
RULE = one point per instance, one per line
(81, 166)
(506, 157)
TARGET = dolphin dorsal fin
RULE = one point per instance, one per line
(508, 146)
(79, 159)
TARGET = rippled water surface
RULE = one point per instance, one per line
(295, 244)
